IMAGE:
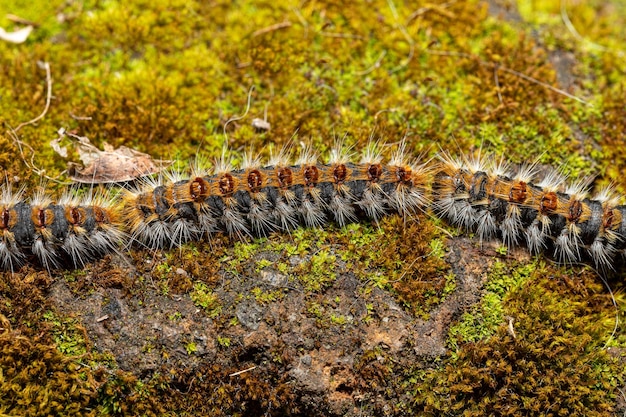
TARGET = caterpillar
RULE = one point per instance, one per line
(497, 201)
(70, 232)
(255, 200)
(494, 200)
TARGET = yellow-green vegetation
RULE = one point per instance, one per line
(554, 358)
(223, 341)
(167, 79)
(204, 297)
(488, 315)
(38, 379)
(528, 81)
(407, 260)
(318, 272)
(68, 334)
(265, 297)
(191, 348)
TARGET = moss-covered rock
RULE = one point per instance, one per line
(400, 317)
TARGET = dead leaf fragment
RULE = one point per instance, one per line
(18, 36)
(261, 125)
(109, 165)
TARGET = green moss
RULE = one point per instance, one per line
(410, 262)
(191, 348)
(69, 336)
(338, 320)
(266, 297)
(489, 314)
(315, 310)
(223, 341)
(39, 380)
(176, 316)
(479, 323)
(263, 263)
(537, 364)
(124, 394)
(74, 275)
(203, 296)
(317, 272)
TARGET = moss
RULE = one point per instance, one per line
(124, 394)
(409, 264)
(39, 380)
(317, 272)
(23, 296)
(338, 320)
(538, 364)
(224, 341)
(488, 315)
(176, 316)
(204, 297)
(266, 297)
(191, 348)
(69, 336)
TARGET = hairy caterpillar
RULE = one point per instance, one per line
(491, 199)
(494, 201)
(256, 199)
(72, 231)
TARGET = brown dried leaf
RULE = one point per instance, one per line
(109, 165)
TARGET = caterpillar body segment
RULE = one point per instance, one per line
(544, 215)
(257, 200)
(72, 231)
